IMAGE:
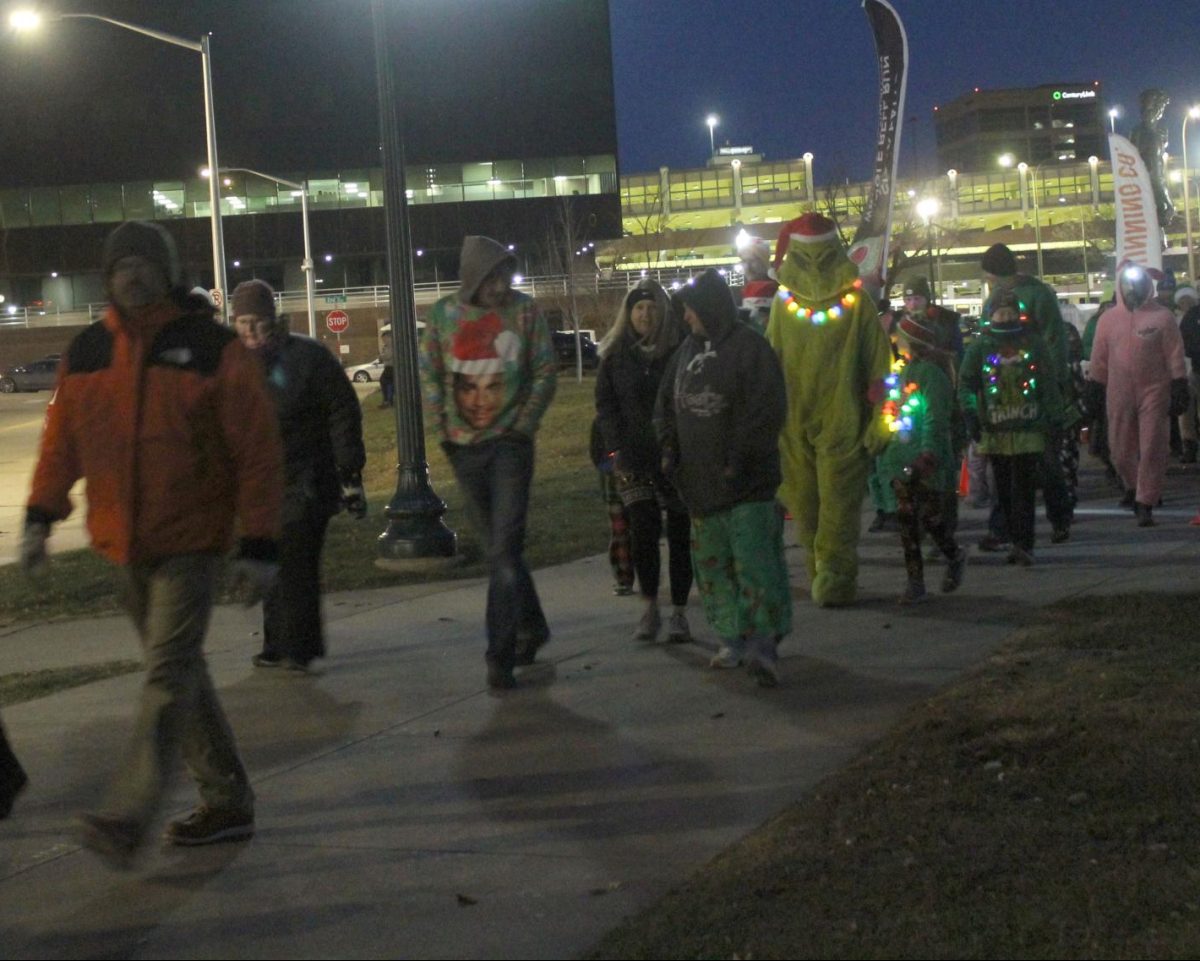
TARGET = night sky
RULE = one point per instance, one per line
(87, 101)
(789, 76)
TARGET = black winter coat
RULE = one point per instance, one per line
(626, 388)
(320, 421)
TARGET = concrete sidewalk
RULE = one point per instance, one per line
(403, 811)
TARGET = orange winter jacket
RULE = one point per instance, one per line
(168, 419)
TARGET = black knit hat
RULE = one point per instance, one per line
(636, 295)
(253, 297)
(999, 261)
(918, 287)
(708, 295)
(138, 238)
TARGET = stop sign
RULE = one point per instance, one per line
(337, 321)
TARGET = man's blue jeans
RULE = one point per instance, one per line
(494, 476)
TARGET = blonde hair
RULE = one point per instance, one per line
(661, 340)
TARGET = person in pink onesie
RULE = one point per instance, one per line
(1138, 360)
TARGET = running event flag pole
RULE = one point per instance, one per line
(870, 248)
(1139, 238)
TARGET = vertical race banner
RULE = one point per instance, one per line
(1139, 238)
(870, 248)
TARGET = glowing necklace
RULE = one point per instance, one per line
(901, 402)
(833, 312)
(991, 373)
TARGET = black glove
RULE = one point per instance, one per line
(1180, 397)
(973, 426)
(354, 498)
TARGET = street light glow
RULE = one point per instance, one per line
(927, 208)
(712, 120)
(24, 19)
(1005, 160)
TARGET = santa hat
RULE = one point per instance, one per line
(807, 229)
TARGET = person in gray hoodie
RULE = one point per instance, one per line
(488, 369)
(720, 409)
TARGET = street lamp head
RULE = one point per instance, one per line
(1005, 160)
(24, 20)
(712, 120)
(1194, 112)
(927, 208)
(1022, 166)
(1093, 160)
(1114, 112)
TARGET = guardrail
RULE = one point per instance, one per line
(294, 301)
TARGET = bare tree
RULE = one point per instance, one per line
(568, 230)
(651, 224)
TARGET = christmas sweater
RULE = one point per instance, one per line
(486, 371)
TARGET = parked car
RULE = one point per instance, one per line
(36, 375)
(564, 347)
(365, 373)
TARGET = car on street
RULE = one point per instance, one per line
(564, 349)
(35, 375)
(365, 373)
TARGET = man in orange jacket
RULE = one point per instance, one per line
(166, 416)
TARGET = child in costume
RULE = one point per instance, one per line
(719, 413)
(1011, 404)
(835, 356)
(919, 463)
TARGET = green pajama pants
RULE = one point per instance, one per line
(740, 571)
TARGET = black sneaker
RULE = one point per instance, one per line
(1061, 535)
(1128, 500)
(878, 524)
(207, 825)
(267, 660)
(114, 840)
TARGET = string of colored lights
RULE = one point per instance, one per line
(833, 312)
(993, 363)
(902, 400)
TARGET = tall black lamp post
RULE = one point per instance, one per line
(415, 531)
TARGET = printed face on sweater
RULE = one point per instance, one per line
(478, 397)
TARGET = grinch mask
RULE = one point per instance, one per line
(816, 271)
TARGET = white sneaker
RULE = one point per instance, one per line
(726, 657)
(678, 631)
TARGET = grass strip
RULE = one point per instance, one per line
(1043, 807)
(30, 685)
(567, 519)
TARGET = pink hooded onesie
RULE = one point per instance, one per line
(1136, 355)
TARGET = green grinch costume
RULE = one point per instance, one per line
(835, 357)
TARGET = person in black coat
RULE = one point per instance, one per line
(320, 422)
(634, 356)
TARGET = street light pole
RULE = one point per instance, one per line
(1192, 112)
(712, 122)
(307, 264)
(25, 20)
(415, 531)
(1037, 216)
